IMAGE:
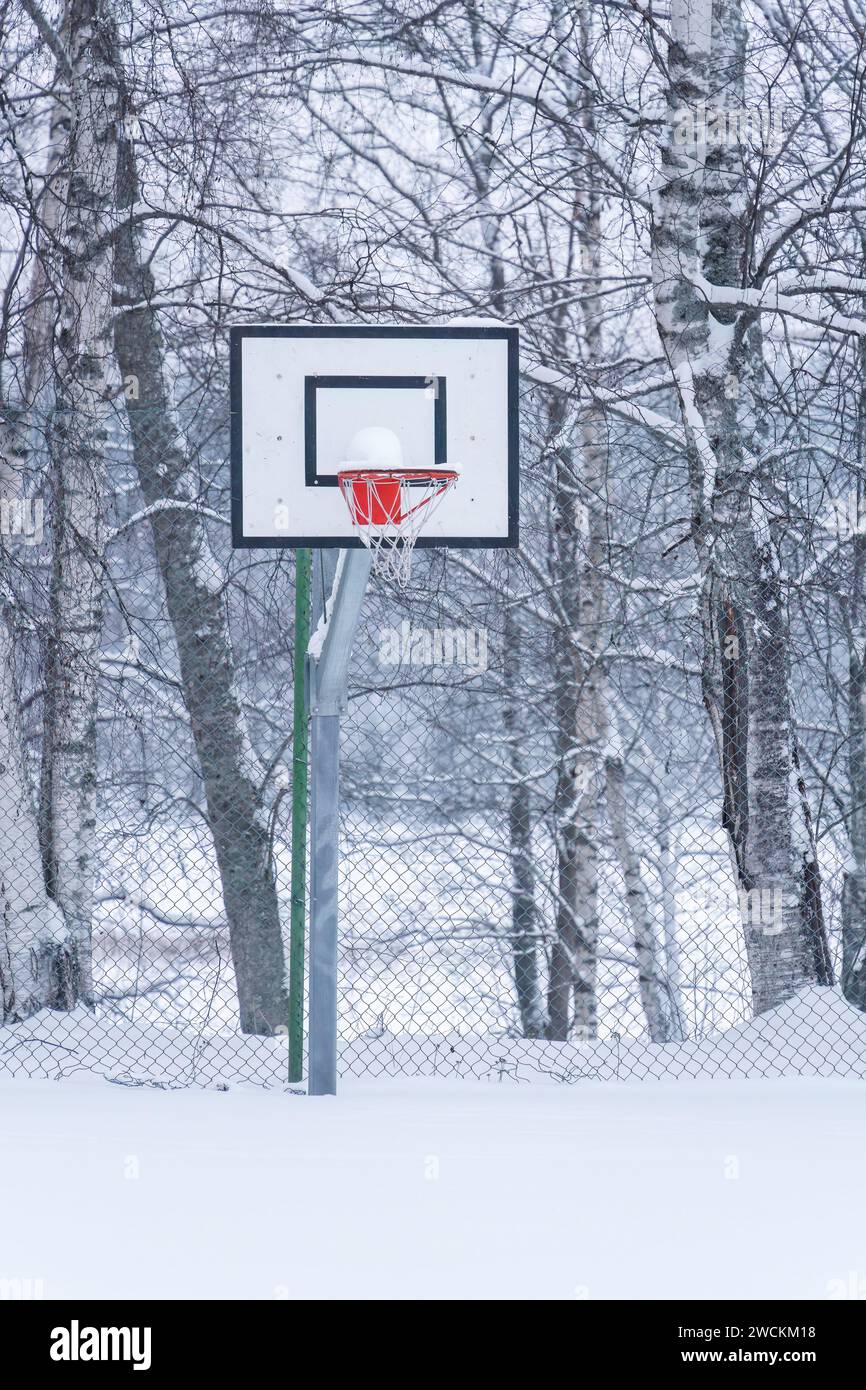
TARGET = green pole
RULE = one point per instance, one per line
(303, 568)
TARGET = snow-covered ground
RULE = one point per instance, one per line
(817, 1033)
(736, 1169)
(430, 1188)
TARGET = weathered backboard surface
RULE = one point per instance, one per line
(301, 393)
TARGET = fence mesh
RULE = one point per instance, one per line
(452, 859)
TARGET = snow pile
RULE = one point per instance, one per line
(817, 1033)
(56, 1045)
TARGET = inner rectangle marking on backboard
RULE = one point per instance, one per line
(313, 384)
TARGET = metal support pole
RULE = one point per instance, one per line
(324, 871)
(303, 559)
(328, 674)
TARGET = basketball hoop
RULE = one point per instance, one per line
(388, 507)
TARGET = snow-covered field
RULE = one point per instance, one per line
(431, 1188)
(736, 1169)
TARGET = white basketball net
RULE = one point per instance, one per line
(388, 512)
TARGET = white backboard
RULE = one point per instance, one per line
(301, 393)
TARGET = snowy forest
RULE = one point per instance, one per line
(640, 819)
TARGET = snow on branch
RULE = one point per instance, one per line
(166, 504)
(772, 300)
(627, 410)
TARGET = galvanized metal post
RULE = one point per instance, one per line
(324, 875)
(299, 818)
(327, 679)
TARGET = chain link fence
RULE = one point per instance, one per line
(455, 949)
(451, 870)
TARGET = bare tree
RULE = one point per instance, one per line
(234, 780)
(700, 239)
(78, 254)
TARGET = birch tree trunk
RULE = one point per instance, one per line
(653, 995)
(673, 967)
(524, 907)
(80, 273)
(525, 918)
(38, 962)
(854, 619)
(195, 597)
(42, 314)
(581, 714)
(573, 956)
(700, 229)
